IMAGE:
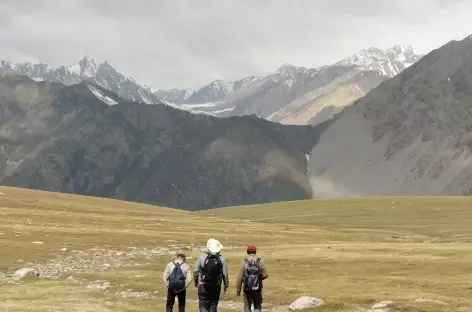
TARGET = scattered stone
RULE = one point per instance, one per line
(22, 273)
(430, 300)
(99, 286)
(120, 254)
(107, 265)
(382, 304)
(231, 305)
(71, 279)
(279, 309)
(305, 302)
(432, 240)
(37, 242)
(136, 295)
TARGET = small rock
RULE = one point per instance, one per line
(430, 300)
(99, 286)
(106, 265)
(21, 273)
(432, 240)
(37, 242)
(120, 254)
(305, 302)
(382, 304)
(64, 249)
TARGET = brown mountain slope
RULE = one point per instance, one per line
(411, 135)
(322, 104)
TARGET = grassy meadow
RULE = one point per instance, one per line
(349, 252)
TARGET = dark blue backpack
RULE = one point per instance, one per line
(177, 278)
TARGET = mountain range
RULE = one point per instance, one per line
(290, 95)
(409, 135)
(85, 139)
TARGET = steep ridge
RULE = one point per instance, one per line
(85, 139)
(411, 135)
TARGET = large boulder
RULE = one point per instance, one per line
(305, 302)
(22, 273)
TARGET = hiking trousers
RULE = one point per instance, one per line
(253, 299)
(208, 298)
(181, 296)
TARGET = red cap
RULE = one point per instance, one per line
(251, 248)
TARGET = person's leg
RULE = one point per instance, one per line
(182, 297)
(247, 302)
(203, 299)
(170, 300)
(257, 301)
(215, 298)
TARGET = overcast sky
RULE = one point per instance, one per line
(188, 43)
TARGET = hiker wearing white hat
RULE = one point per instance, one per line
(210, 271)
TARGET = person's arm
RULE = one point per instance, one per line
(264, 273)
(188, 276)
(239, 277)
(165, 276)
(225, 273)
(196, 270)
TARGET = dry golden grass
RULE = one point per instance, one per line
(351, 253)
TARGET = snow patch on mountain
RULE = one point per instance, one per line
(102, 97)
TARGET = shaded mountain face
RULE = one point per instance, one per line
(84, 139)
(411, 135)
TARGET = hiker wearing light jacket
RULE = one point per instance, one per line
(177, 276)
(210, 272)
(249, 278)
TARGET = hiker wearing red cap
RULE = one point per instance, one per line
(250, 275)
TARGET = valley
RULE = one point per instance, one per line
(108, 255)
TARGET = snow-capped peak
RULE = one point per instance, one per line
(399, 53)
(220, 86)
(86, 67)
(286, 70)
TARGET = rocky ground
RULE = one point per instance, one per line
(70, 264)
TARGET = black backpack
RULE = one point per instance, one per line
(212, 269)
(252, 275)
(177, 278)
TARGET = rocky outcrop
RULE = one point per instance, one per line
(22, 273)
(305, 302)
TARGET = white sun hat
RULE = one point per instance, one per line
(214, 246)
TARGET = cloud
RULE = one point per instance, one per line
(187, 43)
